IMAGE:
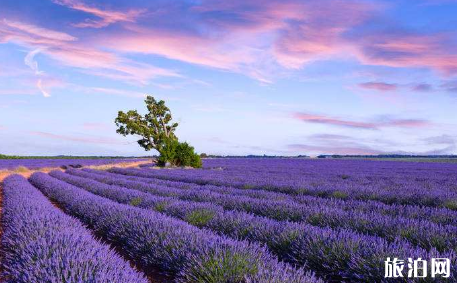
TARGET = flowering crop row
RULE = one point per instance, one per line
(419, 232)
(333, 254)
(437, 215)
(42, 244)
(153, 239)
(389, 182)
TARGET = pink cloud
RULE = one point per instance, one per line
(107, 17)
(318, 34)
(380, 123)
(320, 119)
(380, 86)
(35, 31)
(260, 39)
(69, 51)
(257, 44)
(412, 50)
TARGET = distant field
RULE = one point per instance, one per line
(267, 220)
(439, 160)
(406, 159)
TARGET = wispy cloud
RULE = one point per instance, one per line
(396, 48)
(335, 144)
(18, 30)
(31, 62)
(422, 87)
(353, 145)
(121, 92)
(18, 91)
(450, 86)
(83, 139)
(373, 125)
(106, 17)
(67, 50)
(40, 87)
(443, 139)
(379, 86)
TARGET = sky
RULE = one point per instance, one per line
(276, 77)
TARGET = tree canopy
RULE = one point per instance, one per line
(157, 131)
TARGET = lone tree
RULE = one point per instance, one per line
(157, 132)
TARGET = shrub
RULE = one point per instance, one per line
(168, 152)
(179, 154)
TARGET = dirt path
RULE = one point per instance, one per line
(27, 172)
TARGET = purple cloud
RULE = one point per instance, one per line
(374, 125)
(380, 86)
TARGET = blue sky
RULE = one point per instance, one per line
(241, 77)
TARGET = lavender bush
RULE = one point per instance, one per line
(42, 244)
(438, 215)
(423, 233)
(333, 254)
(427, 184)
(153, 239)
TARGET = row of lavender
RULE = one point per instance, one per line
(427, 184)
(434, 214)
(422, 232)
(42, 244)
(10, 164)
(154, 240)
(338, 255)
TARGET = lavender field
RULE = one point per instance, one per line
(235, 220)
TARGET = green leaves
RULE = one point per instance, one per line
(157, 132)
(179, 154)
(154, 127)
